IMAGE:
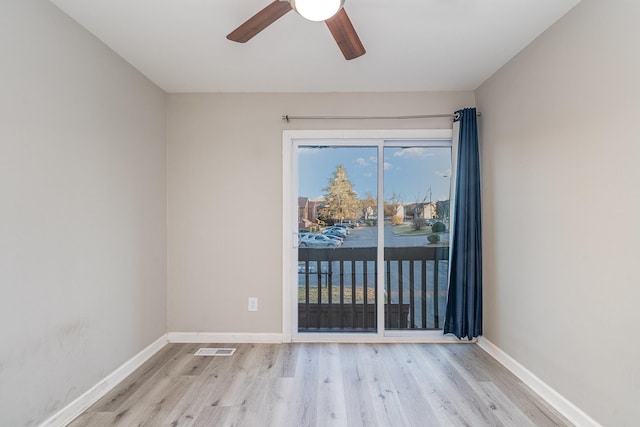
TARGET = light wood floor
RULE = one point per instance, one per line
(322, 385)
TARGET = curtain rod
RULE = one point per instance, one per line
(287, 117)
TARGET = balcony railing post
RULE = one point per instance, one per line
(388, 302)
(365, 294)
(436, 294)
(341, 264)
(423, 290)
(412, 310)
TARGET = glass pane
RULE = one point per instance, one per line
(337, 188)
(416, 235)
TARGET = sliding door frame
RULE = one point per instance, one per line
(373, 138)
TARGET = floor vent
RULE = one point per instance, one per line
(215, 352)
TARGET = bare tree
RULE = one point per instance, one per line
(442, 209)
(419, 220)
(391, 206)
(369, 206)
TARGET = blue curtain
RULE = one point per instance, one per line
(464, 304)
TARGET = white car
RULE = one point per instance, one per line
(314, 240)
(342, 227)
(335, 231)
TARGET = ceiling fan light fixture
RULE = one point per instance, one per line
(317, 10)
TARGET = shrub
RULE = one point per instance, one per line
(433, 238)
(438, 227)
(396, 220)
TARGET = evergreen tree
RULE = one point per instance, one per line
(341, 201)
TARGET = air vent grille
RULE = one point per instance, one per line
(215, 352)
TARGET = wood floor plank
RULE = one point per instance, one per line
(484, 368)
(494, 404)
(289, 359)
(156, 397)
(304, 403)
(387, 403)
(205, 392)
(454, 389)
(259, 399)
(419, 394)
(218, 416)
(196, 365)
(359, 411)
(93, 419)
(281, 403)
(332, 409)
(118, 395)
(243, 375)
(504, 408)
(208, 389)
(159, 404)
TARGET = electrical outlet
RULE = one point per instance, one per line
(253, 304)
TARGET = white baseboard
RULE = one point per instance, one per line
(570, 411)
(91, 396)
(223, 337)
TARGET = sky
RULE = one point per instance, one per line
(408, 172)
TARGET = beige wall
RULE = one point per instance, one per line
(560, 141)
(225, 165)
(82, 211)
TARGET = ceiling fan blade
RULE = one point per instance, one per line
(342, 30)
(259, 21)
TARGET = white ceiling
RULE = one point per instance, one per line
(412, 45)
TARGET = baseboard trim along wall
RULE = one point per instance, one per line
(222, 337)
(570, 411)
(91, 396)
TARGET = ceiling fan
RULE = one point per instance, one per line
(333, 14)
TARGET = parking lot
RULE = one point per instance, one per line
(363, 237)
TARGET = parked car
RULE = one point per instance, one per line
(315, 240)
(342, 226)
(349, 224)
(336, 231)
(335, 237)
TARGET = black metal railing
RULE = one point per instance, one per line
(337, 288)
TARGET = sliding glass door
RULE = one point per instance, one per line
(372, 234)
